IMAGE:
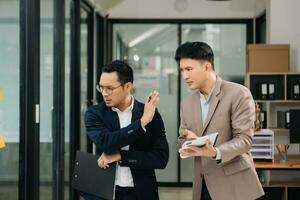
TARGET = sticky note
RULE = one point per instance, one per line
(1, 94)
(2, 143)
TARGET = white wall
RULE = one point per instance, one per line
(259, 6)
(194, 9)
(284, 28)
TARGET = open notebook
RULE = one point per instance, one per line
(200, 141)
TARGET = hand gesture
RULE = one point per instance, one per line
(149, 109)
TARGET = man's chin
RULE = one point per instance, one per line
(109, 104)
(192, 88)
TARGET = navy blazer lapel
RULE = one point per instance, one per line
(137, 111)
(113, 118)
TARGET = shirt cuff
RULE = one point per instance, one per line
(218, 156)
(142, 126)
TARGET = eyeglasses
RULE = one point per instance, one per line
(109, 90)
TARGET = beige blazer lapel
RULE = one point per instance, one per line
(214, 103)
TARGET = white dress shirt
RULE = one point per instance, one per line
(123, 174)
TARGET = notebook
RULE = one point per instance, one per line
(200, 141)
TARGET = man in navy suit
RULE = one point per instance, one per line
(128, 132)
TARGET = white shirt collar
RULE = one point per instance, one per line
(209, 95)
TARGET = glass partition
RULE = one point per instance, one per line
(149, 49)
(228, 42)
(67, 96)
(9, 98)
(46, 99)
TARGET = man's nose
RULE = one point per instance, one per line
(104, 93)
(185, 75)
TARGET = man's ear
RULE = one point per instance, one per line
(208, 66)
(128, 86)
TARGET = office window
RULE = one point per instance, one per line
(228, 42)
(149, 49)
(9, 98)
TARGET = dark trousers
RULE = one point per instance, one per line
(87, 196)
(204, 192)
(125, 193)
(121, 193)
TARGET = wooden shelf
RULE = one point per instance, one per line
(282, 184)
(273, 73)
(280, 129)
(293, 163)
(277, 101)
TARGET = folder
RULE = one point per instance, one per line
(88, 177)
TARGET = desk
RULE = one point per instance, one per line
(293, 163)
(279, 190)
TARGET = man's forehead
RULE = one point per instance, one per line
(191, 63)
(109, 76)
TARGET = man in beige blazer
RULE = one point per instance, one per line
(226, 171)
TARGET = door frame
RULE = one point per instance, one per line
(58, 121)
(29, 147)
(75, 107)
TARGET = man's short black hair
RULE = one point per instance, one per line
(195, 50)
(124, 71)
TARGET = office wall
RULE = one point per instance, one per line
(182, 9)
(259, 6)
(284, 28)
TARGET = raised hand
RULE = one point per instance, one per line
(149, 109)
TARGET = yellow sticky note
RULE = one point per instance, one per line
(1, 94)
(2, 143)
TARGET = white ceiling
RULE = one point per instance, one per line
(106, 5)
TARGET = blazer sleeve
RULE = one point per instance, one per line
(155, 158)
(106, 140)
(242, 123)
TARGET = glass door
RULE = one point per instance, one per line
(67, 99)
(46, 99)
(83, 74)
(149, 49)
(9, 98)
(86, 71)
(228, 42)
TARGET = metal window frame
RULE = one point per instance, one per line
(75, 106)
(58, 125)
(29, 151)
